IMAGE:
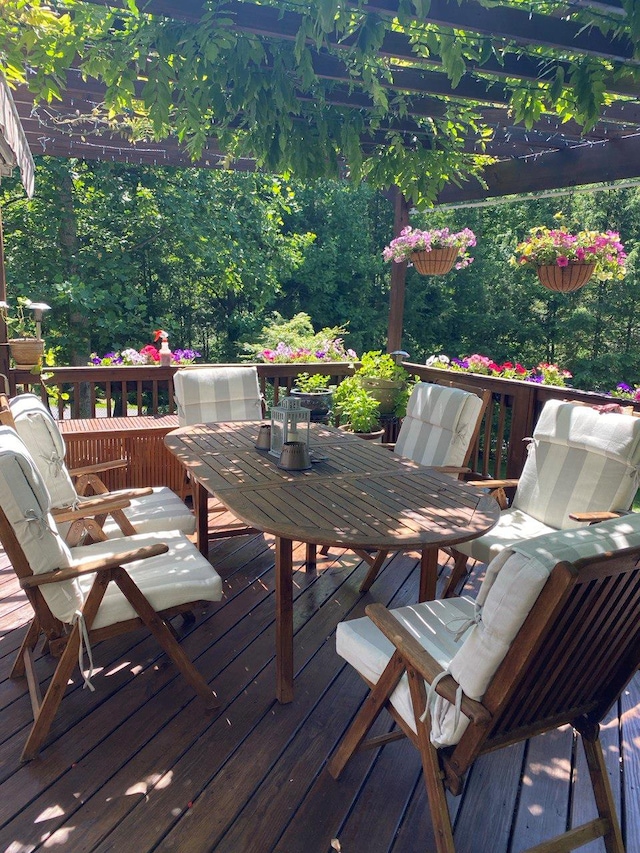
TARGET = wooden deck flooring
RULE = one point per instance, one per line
(139, 766)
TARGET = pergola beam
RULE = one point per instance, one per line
(614, 160)
(520, 26)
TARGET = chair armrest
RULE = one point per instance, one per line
(493, 484)
(90, 508)
(98, 467)
(93, 566)
(388, 445)
(593, 517)
(450, 469)
(423, 663)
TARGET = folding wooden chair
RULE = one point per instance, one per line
(214, 395)
(71, 592)
(148, 510)
(582, 466)
(439, 430)
(553, 639)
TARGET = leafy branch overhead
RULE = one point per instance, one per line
(318, 89)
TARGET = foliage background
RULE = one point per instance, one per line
(208, 255)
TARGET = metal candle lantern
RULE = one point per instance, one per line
(289, 422)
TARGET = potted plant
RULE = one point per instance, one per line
(26, 343)
(357, 410)
(312, 392)
(565, 261)
(432, 252)
(384, 380)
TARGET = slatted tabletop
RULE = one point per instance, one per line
(357, 494)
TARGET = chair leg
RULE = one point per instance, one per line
(602, 793)
(27, 646)
(165, 638)
(433, 777)
(367, 715)
(49, 706)
(457, 573)
(376, 565)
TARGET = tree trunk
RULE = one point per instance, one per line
(69, 244)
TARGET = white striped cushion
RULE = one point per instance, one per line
(580, 460)
(161, 510)
(211, 395)
(39, 431)
(25, 501)
(180, 576)
(513, 583)
(439, 425)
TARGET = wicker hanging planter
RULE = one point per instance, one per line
(565, 279)
(435, 262)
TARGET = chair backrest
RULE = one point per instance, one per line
(574, 654)
(553, 615)
(37, 428)
(211, 395)
(29, 534)
(579, 460)
(441, 424)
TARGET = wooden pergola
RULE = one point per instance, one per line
(577, 46)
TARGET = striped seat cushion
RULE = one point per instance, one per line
(26, 503)
(580, 460)
(211, 395)
(37, 428)
(439, 425)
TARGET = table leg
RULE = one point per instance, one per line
(284, 620)
(202, 519)
(428, 574)
(310, 557)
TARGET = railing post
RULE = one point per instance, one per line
(523, 417)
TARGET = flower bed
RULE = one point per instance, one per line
(147, 355)
(543, 374)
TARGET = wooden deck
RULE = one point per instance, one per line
(139, 766)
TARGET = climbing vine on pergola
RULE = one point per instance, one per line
(411, 93)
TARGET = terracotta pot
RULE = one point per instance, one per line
(26, 352)
(565, 279)
(435, 262)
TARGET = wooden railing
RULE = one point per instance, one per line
(84, 392)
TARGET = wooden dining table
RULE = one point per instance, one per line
(355, 495)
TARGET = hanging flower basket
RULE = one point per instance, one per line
(435, 262)
(432, 252)
(565, 279)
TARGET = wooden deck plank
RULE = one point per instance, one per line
(140, 767)
(544, 801)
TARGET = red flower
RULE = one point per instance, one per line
(150, 352)
(563, 261)
(520, 369)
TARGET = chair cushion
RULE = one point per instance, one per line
(580, 460)
(210, 395)
(513, 525)
(26, 503)
(512, 585)
(180, 576)
(161, 510)
(39, 431)
(368, 651)
(439, 424)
